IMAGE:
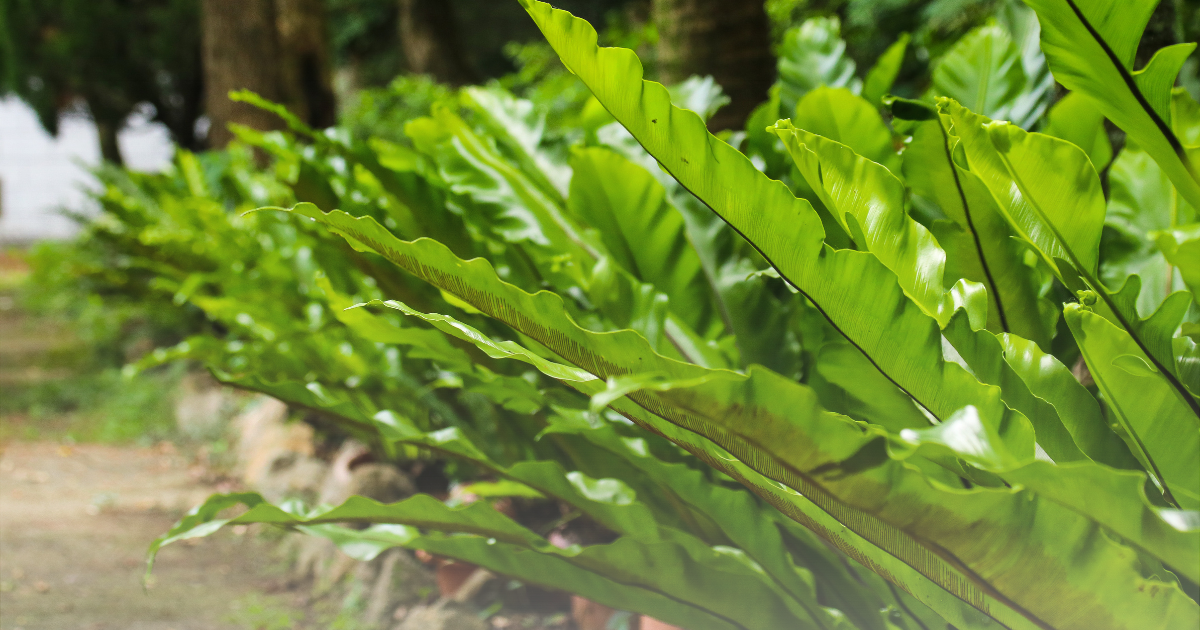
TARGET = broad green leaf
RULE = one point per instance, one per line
(748, 307)
(1022, 25)
(759, 317)
(426, 343)
(874, 399)
(310, 395)
(291, 120)
(497, 489)
(718, 410)
(883, 74)
(982, 71)
(1181, 247)
(812, 55)
(977, 239)
(1090, 46)
(1074, 118)
(839, 115)
(982, 351)
(1048, 379)
(1051, 195)
(608, 501)
(738, 517)
(1142, 203)
(1152, 334)
(1163, 433)
(1046, 187)
(878, 320)
(681, 580)
(865, 190)
(1065, 416)
(753, 526)
(1157, 80)
(517, 123)
(1185, 118)
(968, 438)
(869, 203)
(641, 231)
(518, 209)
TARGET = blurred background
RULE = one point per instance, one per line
(117, 129)
(128, 81)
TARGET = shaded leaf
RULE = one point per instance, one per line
(812, 55)
(1090, 46)
(1162, 431)
(982, 71)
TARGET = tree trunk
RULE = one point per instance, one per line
(110, 149)
(429, 36)
(305, 65)
(240, 51)
(728, 39)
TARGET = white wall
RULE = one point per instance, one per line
(40, 174)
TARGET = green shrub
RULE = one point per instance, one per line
(819, 383)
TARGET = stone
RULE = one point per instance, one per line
(441, 615)
(452, 575)
(314, 556)
(264, 436)
(411, 581)
(590, 615)
(379, 600)
(383, 482)
(202, 406)
(292, 475)
(337, 486)
(649, 623)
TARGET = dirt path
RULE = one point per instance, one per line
(75, 522)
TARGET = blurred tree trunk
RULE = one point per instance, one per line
(728, 39)
(429, 36)
(110, 150)
(240, 49)
(276, 48)
(304, 48)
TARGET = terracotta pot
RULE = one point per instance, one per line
(451, 576)
(588, 614)
(648, 623)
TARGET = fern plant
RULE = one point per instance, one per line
(885, 351)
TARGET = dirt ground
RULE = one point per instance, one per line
(75, 522)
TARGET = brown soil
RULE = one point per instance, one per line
(75, 522)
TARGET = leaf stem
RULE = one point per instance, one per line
(987, 270)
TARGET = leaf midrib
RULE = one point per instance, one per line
(987, 271)
(1163, 128)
